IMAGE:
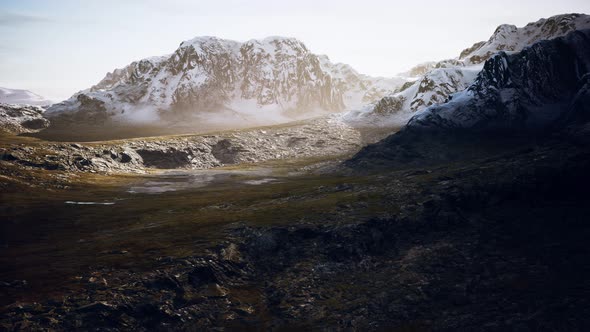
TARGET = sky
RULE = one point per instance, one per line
(56, 48)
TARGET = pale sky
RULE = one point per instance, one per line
(56, 48)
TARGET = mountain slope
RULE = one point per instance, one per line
(544, 88)
(527, 91)
(18, 119)
(274, 77)
(433, 88)
(438, 81)
(21, 97)
(510, 38)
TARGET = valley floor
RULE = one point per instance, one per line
(495, 243)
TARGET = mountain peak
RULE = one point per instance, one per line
(436, 82)
(504, 30)
(560, 19)
(266, 78)
(511, 38)
(212, 40)
(529, 91)
(274, 39)
(211, 43)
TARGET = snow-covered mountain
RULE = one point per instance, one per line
(21, 97)
(541, 91)
(509, 38)
(432, 88)
(541, 87)
(434, 82)
(18, 119)
(274, 77)
(21, 111)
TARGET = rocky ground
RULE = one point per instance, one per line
(321, 137)
(488, 244)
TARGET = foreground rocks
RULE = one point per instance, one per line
(489, 245)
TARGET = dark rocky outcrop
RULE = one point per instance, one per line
(528, 91)
(437, 81)
(526, 96)
(167, 159)
(227, 152)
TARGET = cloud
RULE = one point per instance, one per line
(14, 19)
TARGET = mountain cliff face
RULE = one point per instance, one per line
(530, 90)
(438, 81)
(510, 38)
(544, 88)
(208, 74)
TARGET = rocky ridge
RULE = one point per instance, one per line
(509, 38)
(538, 92)
(435, 82)
(322, 137)
(537, 89)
